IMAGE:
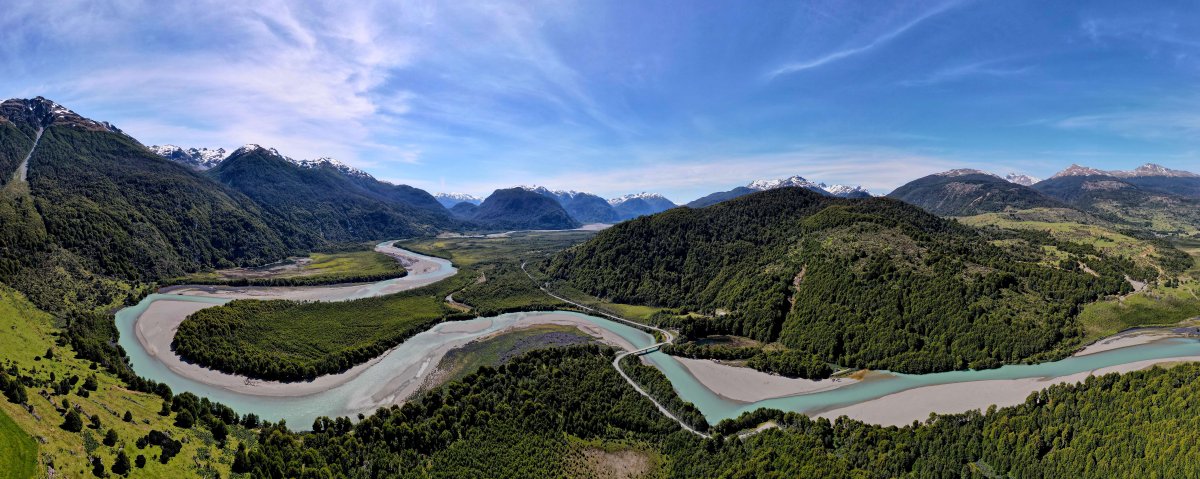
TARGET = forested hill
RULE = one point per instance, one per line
(970, 192)
(518, 208)
(97, 202)
(872, 283)
(327, 203)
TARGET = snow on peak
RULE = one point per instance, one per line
(1021, 179)
(561, 194)
(198, 158)
(965, 172)
(1151, 169)
(845, 190)
(328, 162)
(450, 199)
(636, 196)
(251, 147)
(782, 183)
(1077, 170)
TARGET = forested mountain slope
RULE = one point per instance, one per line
(327, 204)
(970, 192)
(98, 206)
(518, 208)
(872, 283)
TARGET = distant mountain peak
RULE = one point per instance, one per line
(449, 200)
(328, 162)
(965, 172)
(43, 113)
(1021, 179)
(559, 193)
(1079, 170)
(795, 180)
(252, 147)
(197, 158)
(642, 196)
(846, 190)
(1151, 169)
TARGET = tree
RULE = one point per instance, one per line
(121, 464)
(219, 431)
(128, 417)
(110, 438)
(95, 420)
(140, 461)
(98, 467)
(185, 420)
(241, 462)
(49, 353)
(72, 422)
(166, 409)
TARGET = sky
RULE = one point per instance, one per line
(680, 97)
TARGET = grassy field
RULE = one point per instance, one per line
(27, 335)
(316, 268)
(1103, 238)
(1157, 306)
(18, 451)
(496, 350)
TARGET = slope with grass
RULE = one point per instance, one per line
(28, 336)
(19, 453)
(871, 283)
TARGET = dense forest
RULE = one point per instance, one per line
(521, 209)
(294, 340)
(870, 283)
(524, 419)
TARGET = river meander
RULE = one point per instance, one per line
(387, 379)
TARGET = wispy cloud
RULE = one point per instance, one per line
(986, 68)
(1152, 124)
(850, 51)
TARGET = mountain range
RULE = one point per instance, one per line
(967, 192)
(640, 204)
(794, 181)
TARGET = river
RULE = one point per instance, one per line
(389, 378)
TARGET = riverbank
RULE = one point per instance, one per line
(748, 385)
(903, 408)
(422, 271)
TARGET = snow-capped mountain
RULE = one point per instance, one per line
(335, 164)
(643, 196)
(583, 207)
(1151, 169)
(1077, 170)
(797, 180)
(198, 158)
(844, 191)
(640, 204)
(43, 113)
(1021, 179)
(450, 199)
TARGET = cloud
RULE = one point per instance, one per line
(883, 39)
(987, 68)
(1151, 124)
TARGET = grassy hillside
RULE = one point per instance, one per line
(28, 335)
(19, 453)
(862, 283)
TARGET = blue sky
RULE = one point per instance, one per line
(677, 97)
